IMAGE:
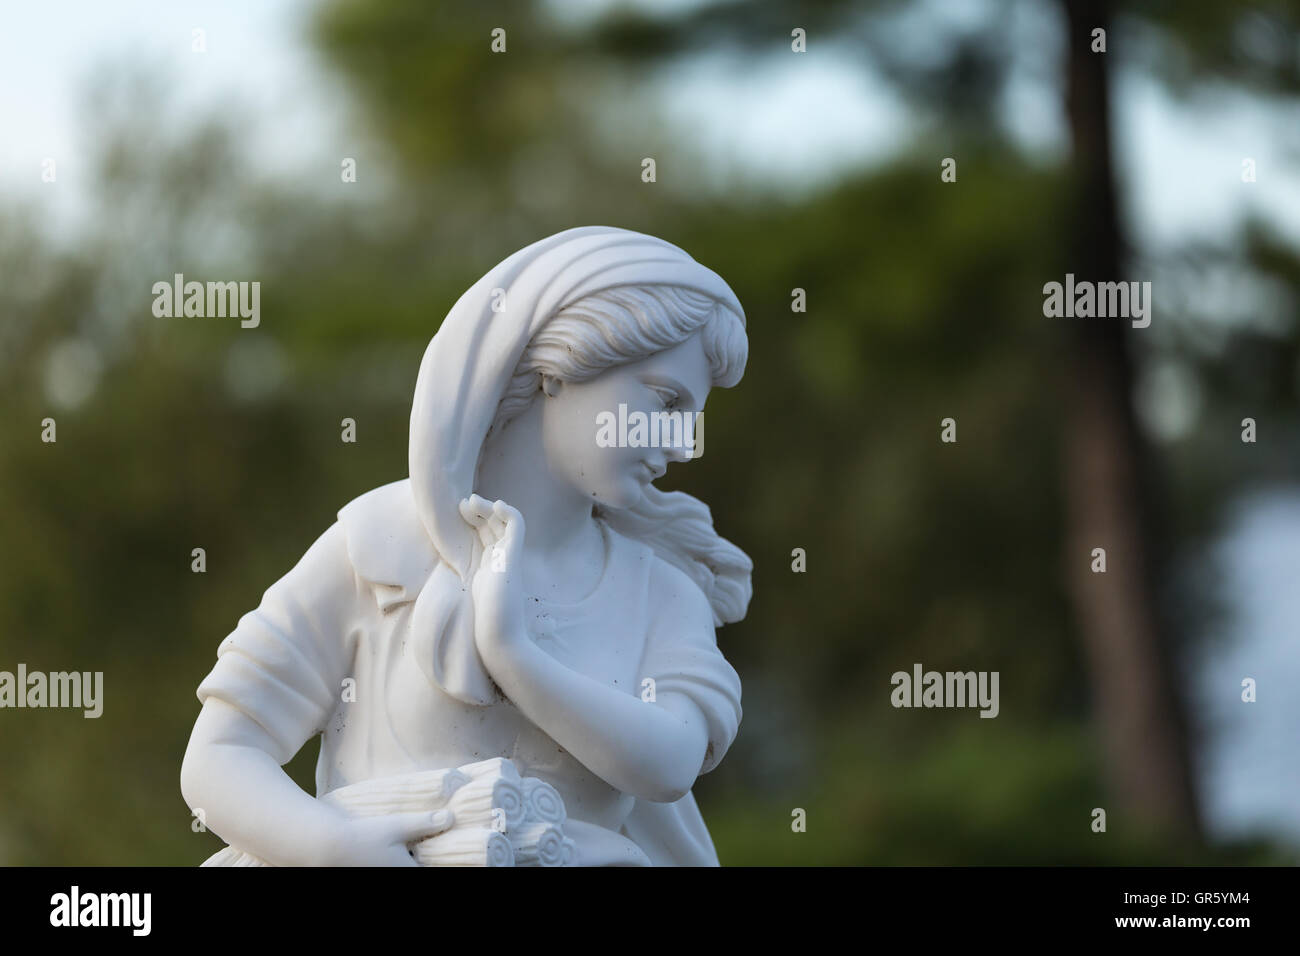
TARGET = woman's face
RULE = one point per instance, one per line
(609, 437)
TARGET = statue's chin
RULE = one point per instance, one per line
(620, 499)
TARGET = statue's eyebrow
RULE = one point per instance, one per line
(669, 382)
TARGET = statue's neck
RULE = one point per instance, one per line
(513, 468)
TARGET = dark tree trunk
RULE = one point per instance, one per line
(1109, 506)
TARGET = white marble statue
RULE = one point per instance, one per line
(526, 594)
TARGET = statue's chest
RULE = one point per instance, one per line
(607, 648)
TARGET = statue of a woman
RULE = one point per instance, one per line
(527, 593)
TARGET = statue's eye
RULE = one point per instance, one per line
(667, 396)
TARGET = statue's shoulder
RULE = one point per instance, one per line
(671, 582)
(387, 543)
(676, 598)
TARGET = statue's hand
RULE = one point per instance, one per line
(497, 588)
(383, 840)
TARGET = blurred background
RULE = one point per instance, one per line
(218, 154)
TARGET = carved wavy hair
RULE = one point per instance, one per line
(623, 325)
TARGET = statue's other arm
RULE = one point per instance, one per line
(656, 749)
(275, 684)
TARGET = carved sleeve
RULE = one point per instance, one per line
(682, 657)
(284, 663)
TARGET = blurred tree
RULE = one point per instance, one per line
(1110, 490)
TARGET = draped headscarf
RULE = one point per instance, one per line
(464, 374)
